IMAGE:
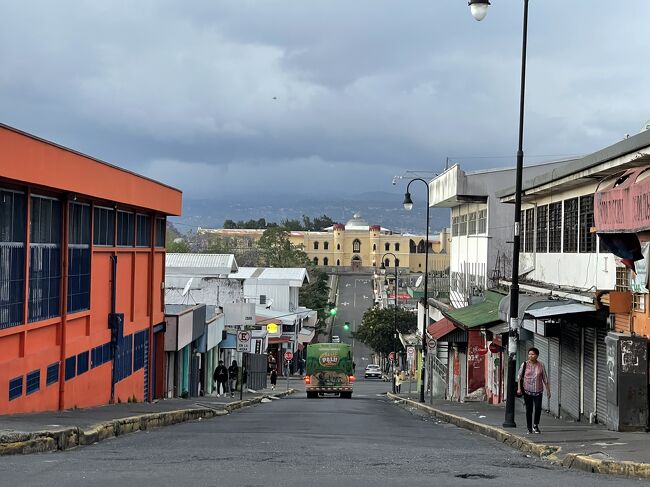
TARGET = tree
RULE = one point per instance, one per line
(315, 296)
(277, 251)
(178, 246)
(376, 328)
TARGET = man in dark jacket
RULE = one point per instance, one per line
(220, 376)
(233, 374)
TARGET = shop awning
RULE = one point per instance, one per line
(229, 342)
(500, 328)
(274, 340)
(565, 309)
(479, 314)
(306, 335)
(441, 328)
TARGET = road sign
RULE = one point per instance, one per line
(432, 343)
(494, 348)
(391, 356)
(243, 341)
(288, 355)
(410, 353)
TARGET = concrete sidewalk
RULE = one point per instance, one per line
(61, 430)
(574, 444)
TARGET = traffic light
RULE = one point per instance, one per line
(333, 312)
(346, 326)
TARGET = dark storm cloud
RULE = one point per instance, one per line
(253, 97)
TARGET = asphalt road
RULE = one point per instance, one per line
(355, 296)
(363, 441)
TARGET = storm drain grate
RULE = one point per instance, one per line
(475, 476)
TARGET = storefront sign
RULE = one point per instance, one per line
(626, 207)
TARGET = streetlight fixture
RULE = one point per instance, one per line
(408, 205)
(383, 267)
(479, 10)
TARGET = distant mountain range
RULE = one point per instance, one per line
(381, 208)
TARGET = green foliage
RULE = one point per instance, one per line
(292, 225)
(277, 251)
(178, 246)
(314, 296)
(254, 224)
(376, 328)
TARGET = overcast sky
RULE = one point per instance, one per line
(251, 98)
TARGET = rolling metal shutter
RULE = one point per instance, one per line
(570, 369)
(541, 343)
(601, 375)
(589, 372)
(554, 374)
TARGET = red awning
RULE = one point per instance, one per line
(441, 328)
(279, 340)
(400, 297)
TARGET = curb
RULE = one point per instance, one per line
(65, 439)
(548, 452)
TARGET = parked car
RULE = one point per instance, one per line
(372, 370)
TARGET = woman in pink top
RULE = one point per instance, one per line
(532, 379)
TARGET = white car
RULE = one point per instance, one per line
(372, 370)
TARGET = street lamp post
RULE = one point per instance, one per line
(394, 316)
(479, 11)
(408, 205)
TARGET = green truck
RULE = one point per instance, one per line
(330, 370)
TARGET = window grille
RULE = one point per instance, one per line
(356, 246)
(79, 257)
(82, 363)
(529, 243)
(161, 226)
(104, 226)
(570, 225)
(52, 374)
(471, 223)
(555, 227)
(638, 302)
(15, 388)
(125, 229)
(622, 279)
(587, 239)
(12, 258)
(454, 226)
(45, 259)
(33, 382)
(143, 230)
(462, 225)
(70, 367)
(482, 221)
(542, 229)
(139, 344)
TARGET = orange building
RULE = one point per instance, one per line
(82, 262)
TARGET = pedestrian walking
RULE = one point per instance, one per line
(233, 374)
(532, 381)
(274, 378)
(220, 376)
(398, 382)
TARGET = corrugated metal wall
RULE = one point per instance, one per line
(601, 375)
(589, 372)
(554, 374)
(542, 345)
(570, 369)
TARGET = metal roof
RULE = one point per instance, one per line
(480, 314)
(576, 166)
(296, 276)
(441, 328)
(200, 264)
(564, 309)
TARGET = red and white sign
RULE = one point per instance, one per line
(624, 207)
(495, 348)
(391, 356)
(243, 341)
(288, 356)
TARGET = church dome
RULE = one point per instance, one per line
(357, 222)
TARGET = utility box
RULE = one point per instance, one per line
(627, 382)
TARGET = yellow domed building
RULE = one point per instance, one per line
(358, 244)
